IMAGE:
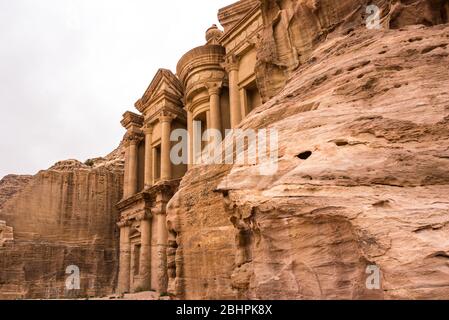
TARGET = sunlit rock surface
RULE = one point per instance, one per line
(363, 179)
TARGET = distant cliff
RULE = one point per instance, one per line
(10, 185)
(61, 217)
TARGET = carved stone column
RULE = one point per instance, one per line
(215, 112)
(148, 156)
(232, 67)
(166, 172)
(162, 245)
(132, 123)
(208, 120)
(133, 162)
(190, 143)
(126, 173)
(155, 170)
(125, 258)
(244, 103)
(145, 251)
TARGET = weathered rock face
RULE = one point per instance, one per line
(293, 29)
(6, 233)
(363, 175)
(63, 217)
(10, 185)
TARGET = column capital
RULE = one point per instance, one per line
(214, 88)
(166, 116)
(159, 210)
(148, 129)
(231, 63)
(144, 216)
(188, 107)
(123, 223)
(133, 138)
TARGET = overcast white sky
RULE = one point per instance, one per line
(70, 68)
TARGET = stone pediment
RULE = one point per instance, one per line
(165, 86)
(230, 15)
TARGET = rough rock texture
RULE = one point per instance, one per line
(64, 216)
(293, 29)
(363, 180)
(10, 185)
(6, 233)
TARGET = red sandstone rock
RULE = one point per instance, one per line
(63, 216)
(371, 110)
(362, 181)
(10, 185)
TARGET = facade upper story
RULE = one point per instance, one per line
(214, 85)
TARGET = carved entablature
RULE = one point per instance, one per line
(146, 204)
(243, 35)
(165, 93)
(133, 124)
(162, 193)
(201, 66)
(167, 111)
(135, 208)
(132, 120)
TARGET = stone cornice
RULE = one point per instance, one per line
(192, 106)
(131, 201)
(178, 113)
(169, 187)
(164, 97)
(199, 79)
(131, 119)
(243, 35)
(150, 195)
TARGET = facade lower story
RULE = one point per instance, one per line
(214, 86)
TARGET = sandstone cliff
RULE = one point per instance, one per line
(363, 171)
(63, 216)
(293, 29)
(10, 185)
(363, 176)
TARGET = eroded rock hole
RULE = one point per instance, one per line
(341, 143)
(305, 155)
(245, 243)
